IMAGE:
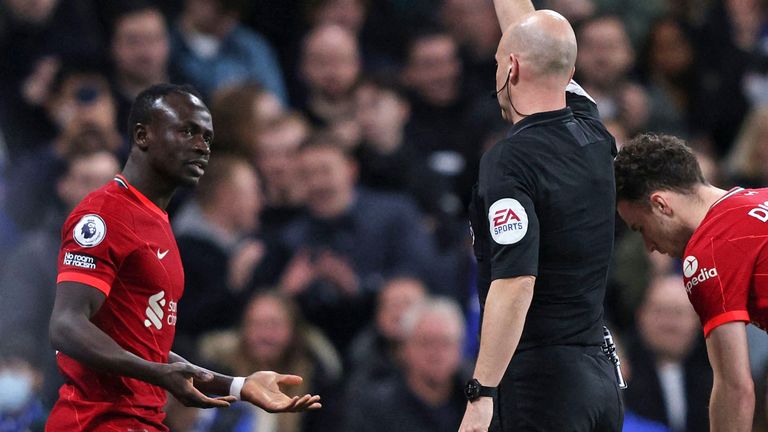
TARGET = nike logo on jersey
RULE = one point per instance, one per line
(161, 255)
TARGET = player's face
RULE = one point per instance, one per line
(180, 137)
(660, 232)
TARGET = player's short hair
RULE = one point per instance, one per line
(141, 110)
(653, 162)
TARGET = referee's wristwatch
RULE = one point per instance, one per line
(473, 390)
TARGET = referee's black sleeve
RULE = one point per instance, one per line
(512, 221)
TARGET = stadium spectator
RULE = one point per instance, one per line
(387, 160)
(30, 271)
(473, 25)
(728, 39)
(442, 125)
(241, 111)
(747, 162)
(637, 17)
(274, 336)
(221, 257)
(82, 107)
(427, 396)
(275, 157)
(671, 377)
(603, 68)
(375, 354)
(20, 379)
(210, 48)
(35, 37)
(350, 241)
(329, 68)
(140, 50)
(347, 14)
(668, 73)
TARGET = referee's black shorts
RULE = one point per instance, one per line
(559, 388)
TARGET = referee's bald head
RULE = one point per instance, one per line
(544, 40)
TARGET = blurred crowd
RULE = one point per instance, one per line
(329, 235)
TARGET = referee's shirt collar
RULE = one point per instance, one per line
(539, 118)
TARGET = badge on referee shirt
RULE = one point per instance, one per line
(508, 221)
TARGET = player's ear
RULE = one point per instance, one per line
(140, 136)
(660, 203)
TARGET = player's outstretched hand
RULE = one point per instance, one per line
(263, 390)
(178, 379)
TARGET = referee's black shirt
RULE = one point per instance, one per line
(544, 206)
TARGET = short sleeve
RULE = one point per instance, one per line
(580, 102)
(93, 247)
(717, 276)
(513, 228)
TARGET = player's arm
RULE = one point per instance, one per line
(733, 395)
(261, 388)
(73, 333)
(509, 11)
(505, 310)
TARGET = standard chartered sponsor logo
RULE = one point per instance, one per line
(155, 312)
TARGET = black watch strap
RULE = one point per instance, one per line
(474, 390)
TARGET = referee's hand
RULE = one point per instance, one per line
(477, 417)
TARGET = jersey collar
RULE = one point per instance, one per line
(123, 183)
(730, 193)
(539, 118)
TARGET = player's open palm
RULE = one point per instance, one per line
(178, 378)
(263, 390)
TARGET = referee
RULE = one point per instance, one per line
(542, 213)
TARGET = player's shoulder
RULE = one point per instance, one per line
(740, 213)
(108, 203)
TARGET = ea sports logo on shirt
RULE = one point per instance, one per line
(90, 231)
(508, 221)
(690, 265)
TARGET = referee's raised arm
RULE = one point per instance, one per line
(510, 11)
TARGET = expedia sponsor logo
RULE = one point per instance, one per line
(703, 275)
(79, 260)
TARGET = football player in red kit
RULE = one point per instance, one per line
(721, 236)
(120, 279)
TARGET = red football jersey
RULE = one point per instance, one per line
(119, 242)
(725, 267)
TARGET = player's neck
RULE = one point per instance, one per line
(702, 201)
(154, 189)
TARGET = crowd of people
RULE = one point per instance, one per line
(329, 236)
